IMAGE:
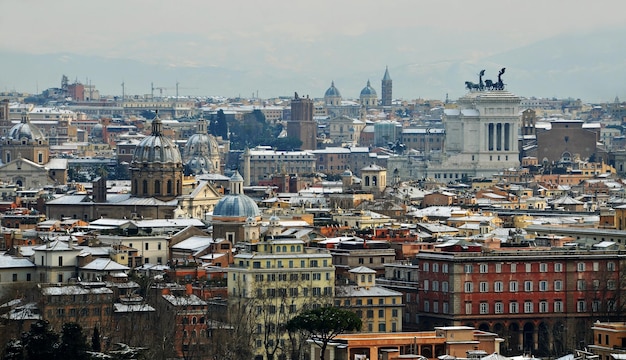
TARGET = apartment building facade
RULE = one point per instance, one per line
(274, 280)
(539, 301)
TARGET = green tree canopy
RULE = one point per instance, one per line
(219, 126)
(40, 342)
(324, 324)
(73, 343)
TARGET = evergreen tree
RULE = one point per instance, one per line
(220, 125)
(13, 350)
(95, 340)
(40, 343)
(324, 324)
(73, 343)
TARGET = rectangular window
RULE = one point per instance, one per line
(580, 285)
(580, 266)
(469, 287)
(484, 308)
(435, 285)
(581, 306)
(425, 286)
(558, 306)
(483, 268)
(558, 285)
(558, 267)
(484, 286)
(498, 286)
(435, 268)
(528, 307)
(469, 268)
(425, 267)
(498, 268)
(543, 285)
(513, 307)
(513, 268)
(529, 267)
(60, 260)
(528, 286)
(513, 286)
(445, 308)
(147, 247)
(499, 308)
(444, 286)
(543, 267)
(468, 308)
(595, 306)
(610, 266)
(596, 266)
(610, 284)
(435, 307)
(543, 306)
(444, 268)
(426, 306)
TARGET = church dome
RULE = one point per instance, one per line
(156, 148)
(201, 152)
(199, 165)
(200, 144)
(96, 131)
(26, 130)
(332, 91)
(368, 90)
(238, 205)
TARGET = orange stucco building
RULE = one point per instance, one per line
(456, 341)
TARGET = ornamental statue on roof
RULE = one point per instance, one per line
(487, 84)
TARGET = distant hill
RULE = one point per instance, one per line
(587, 66)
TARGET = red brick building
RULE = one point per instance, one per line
(542, 302)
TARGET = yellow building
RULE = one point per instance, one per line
(608, 339)
(360, 219)
(274, 280)
(380, 309)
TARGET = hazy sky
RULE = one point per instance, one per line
(213, 33)
(109, 27)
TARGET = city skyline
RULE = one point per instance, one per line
(275, 48)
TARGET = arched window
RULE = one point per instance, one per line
(145, 187)
(157, 187)
(169, 186)
(367, 181)
(374, 181)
